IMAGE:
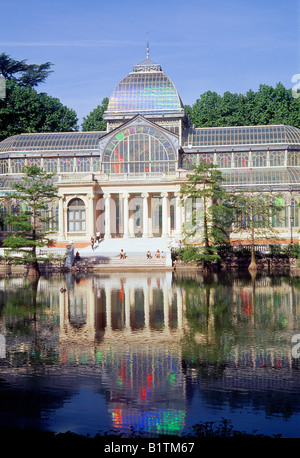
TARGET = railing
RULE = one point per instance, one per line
(259, 248)
(40, 251)
(104, 177)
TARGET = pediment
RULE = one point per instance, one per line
(136, 121)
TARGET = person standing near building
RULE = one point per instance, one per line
(98, 236)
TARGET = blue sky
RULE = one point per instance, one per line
(201, 45)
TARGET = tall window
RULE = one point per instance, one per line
(224, 160)
(276, 158)
(259, 159)
(295, 211)
(83, 164)
(241, 160)
(50, 164)
(17, 165)
(76, 216)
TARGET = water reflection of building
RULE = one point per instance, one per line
(138, 322)
(118, 307)
(136, 327)
(133, 336)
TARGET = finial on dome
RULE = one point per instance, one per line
(147, 65)
(147, 50)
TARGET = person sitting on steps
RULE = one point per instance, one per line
(122, 254)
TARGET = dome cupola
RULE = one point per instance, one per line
(147, 91)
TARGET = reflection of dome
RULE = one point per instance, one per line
(145, 90)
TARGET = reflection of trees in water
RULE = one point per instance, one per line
(229, 315)
(28, 324)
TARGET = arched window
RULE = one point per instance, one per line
(295, 211)
(259, 159)
(139, 149)
(17, 165)
(224, 160)
(76, 216)
(50, 164)
(241, 160)
(83, 164)
(276, 158)
(293, 158)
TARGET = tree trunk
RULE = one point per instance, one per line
(34, 270)
(253, 265)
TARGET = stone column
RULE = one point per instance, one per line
(164, 196)
(61, 229)
(107, 216)
(178, 216)
(145, 196)
(91, 215)
(125, 197)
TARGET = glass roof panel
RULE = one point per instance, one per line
(242, 135)
(51, 142)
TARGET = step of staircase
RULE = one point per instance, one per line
(130, 263)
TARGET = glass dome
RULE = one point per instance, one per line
(145, 90)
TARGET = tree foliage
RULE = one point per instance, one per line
(32, 224)
(210, 213)
(213, 213)
(94, 121)
(268, 105)
(24, 74)
(23, 109)
(254, 215)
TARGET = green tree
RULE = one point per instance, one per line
(25, 110)
(210, 213)
(32, 223)
(271, 105)
(268, 105)
(254, 214)
(24, 74)
(206, 110)
(94, 121)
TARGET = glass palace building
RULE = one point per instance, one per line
(126, 181)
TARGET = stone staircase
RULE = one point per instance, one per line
(105, 255)
(130, 263)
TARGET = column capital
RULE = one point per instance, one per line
(125, 195)
(106, 195)
(145, 195)
(164, 194)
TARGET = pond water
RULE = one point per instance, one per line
(156, 352)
